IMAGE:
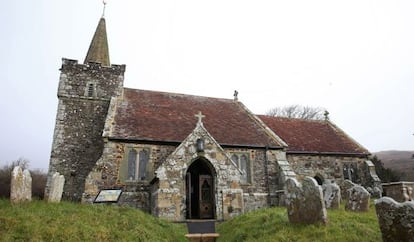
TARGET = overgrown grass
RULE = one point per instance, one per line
(273, 225)
(41, 221)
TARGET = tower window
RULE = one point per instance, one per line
(91, 90)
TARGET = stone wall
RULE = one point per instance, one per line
(399, 191)
(331, 167)
(170, 196)
(84, 95)
(106, 173)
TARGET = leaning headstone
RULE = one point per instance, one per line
(331, 195)
(56, 188)
(357, 199)
(21, 185)
(396, 219)
(305, 202)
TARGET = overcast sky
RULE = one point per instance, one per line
(355, 58)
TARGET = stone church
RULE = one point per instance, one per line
(181, 156)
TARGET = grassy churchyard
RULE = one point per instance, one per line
(41, 221)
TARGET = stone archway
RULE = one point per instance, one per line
(200, 190)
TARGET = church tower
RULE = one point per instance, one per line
(84, 94)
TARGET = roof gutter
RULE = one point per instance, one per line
(176, 143)
(327, 153)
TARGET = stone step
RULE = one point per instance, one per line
(201, 226)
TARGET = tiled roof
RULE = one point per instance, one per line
(169, 117)
(312, 136)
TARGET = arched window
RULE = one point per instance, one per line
(132, 165)
(243, 163)
(135, 166)
(143, 161)
(235, 159)
(244, 168)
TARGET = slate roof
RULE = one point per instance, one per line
(169, 117)
(311, 136)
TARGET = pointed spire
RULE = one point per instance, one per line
(98, 49)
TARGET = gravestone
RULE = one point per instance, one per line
(396, 219)
(357, 199)
(331, 195)
(21, 185)
(56, 188)
(345, 186)
(305, 202)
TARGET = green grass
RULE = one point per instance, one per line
(273, 225)
(41, 221)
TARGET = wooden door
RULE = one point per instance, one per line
(206, 196)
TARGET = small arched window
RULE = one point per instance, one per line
(244, 168)
(143, 161)
(132, 165)
(235, 159)
(136, 164)
(242, 161)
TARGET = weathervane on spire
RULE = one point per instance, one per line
(104, 3)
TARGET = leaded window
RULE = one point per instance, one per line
(137, 164)
(242, 161)
(132, 165)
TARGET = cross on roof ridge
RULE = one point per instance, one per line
(200, 116)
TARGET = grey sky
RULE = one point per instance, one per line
(355, 58)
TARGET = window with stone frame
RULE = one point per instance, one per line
(242, 160)
(90, 90)
(136, 167)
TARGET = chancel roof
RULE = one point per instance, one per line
(170, 117)
(312, 136)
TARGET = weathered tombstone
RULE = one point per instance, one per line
(56, 188)
(375, 192)
(357, 199)
(331, 195)
(21, 185)
(305, 202)
(345, 186)
(396, 219)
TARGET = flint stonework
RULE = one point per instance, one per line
(305, 202)
(331, 195)
(396, 219)
(358, 199)
(56, 188)
(21, 185)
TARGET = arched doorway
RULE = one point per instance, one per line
(200, 195)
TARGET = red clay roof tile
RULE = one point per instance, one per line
(169, 117)
(312, 136)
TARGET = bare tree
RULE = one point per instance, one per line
(298, 111)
